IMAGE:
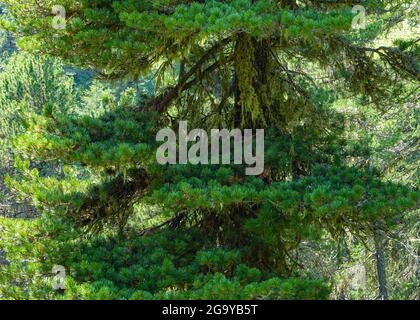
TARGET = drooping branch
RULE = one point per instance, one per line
(398, 60)
(111, 202)
(162, 101)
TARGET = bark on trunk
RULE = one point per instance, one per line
(380, 266)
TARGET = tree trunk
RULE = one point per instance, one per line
(380, 265)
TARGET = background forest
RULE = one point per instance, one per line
(335, 215)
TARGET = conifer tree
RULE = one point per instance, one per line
(277, 65)
(27, 84)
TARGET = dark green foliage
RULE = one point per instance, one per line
(286, 66)
(168, 265)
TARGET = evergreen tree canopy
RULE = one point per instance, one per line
(278, 65)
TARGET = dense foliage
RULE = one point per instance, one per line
(295, 68)
(151, 267)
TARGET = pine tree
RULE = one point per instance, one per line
(27, 84)
(278, 65)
